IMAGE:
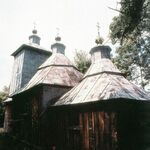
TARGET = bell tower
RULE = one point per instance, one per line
(27, 59)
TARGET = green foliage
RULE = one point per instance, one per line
(82, 61)
(4, 93)
(3, 96)
(99, 40)
(123, 62)
(131, 29)
(134, 16)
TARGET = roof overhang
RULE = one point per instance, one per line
(7, 101)
(111, 105)
(26, 91)
(31, 47)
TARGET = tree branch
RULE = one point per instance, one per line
(116, 10)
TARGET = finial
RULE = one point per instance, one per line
(99, 39)
(58, 38)
(34, 29)
(57, 31)
(98, 28)
(58, 47)
(34, 38)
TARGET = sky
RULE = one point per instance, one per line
(76, 20)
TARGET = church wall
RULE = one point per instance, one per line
(26, 63)
(32, 60)
(8, 117)
(81, 130)
(17, 72)
(112, 128)
(27, 109)
(29, 117)
(134, 128)
(51, 93)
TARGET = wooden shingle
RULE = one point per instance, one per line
(103, 81)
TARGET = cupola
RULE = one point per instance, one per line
(58, 47)
(34, 38)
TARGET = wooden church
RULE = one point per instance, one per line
(52, 106)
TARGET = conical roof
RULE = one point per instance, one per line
(103, 81)
(57, 59)
(56, 70)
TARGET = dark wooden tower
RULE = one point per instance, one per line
(27, 59)
(56, 76)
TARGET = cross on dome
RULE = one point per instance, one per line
(34, 29)
(58, 38)
(99, 40)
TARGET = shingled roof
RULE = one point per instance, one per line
(32, 46)
(103, 81)
(56, 70)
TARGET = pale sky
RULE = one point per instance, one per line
(76, 19)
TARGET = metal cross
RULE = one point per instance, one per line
(98, 28)
(34, 23)
(57, 31)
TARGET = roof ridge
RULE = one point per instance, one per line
(108, 72)
(58, 65)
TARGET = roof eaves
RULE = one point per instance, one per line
(37, 85)
(108, 72)
(121, 104)
(58, 65)
(39, 49)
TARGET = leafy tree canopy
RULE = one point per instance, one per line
(3, 96)
(82, 61)
(4, 93)
(132, 30)
(133, 20)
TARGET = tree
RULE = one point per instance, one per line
(3, 96)
(131, 29)
(82, 61)
(134, 18)
(4, 93)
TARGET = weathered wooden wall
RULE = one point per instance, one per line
(98, 130)
(126, 129)
(133, 128)
(51, 93)
(144, 126)
(25, 116)
(32, 60)
(29, 116)
(25, 66)
(82, 131)
(15, 83)
(8, 117)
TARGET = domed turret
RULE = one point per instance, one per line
(34, 38)
(58, 47)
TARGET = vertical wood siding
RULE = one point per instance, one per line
(17, 72)
(8, 118)
(83, 131)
